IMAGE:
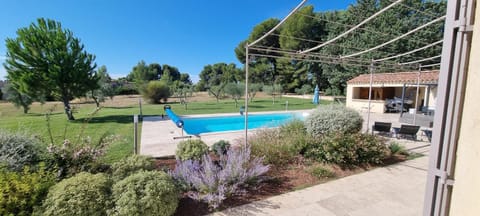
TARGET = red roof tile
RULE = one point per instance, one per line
(426, 77)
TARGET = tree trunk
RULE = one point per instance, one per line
(68, 109)
(96, 100)
(25, 109)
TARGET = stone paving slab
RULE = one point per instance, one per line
(392, 190)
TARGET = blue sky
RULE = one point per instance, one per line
(188, 34)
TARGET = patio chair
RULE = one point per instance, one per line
(407, 130)
(382, 127)
(428, 134)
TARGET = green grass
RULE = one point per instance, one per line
(119, 120)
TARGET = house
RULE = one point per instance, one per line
(387, 86)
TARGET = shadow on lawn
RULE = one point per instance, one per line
(125, 107)
(43, 114)
(122, 119)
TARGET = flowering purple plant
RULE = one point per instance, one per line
(213, 181)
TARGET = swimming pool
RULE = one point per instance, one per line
(200, 125)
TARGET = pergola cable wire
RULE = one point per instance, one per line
(431, 15)
(430, 65)
(315, 55)
(321, 59)
(279, 24)
(247, 62)
(352, 29)
(409, 52)
(421, 60)
(350, 26)
(386, 69)
(395, 39)
(343, 24)
(339, 60)
(333, 44)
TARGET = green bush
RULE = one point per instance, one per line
(348, 149)
(82, 194)
(191, 149)
(18, 150)
(333, 119)
(294, 132)
(156, 91)
(220, 147)
(126, 90)
(130, 165)
(22, 192)
(321, 172)
(395, 148)
(84, 156)
(282, 145)
(145, 193)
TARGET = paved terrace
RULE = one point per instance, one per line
(393, 190)
(160, 137)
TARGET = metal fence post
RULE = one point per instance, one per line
(140, 106)
(135, 134)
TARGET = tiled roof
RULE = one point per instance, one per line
(426, 77)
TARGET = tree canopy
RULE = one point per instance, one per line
(219, 74)
(308, 28)
(46, 59)
(142, 73)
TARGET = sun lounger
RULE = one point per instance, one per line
(382, 127)
(407, 130)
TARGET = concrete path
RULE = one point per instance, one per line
(393, 190)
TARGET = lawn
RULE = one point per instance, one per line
(116, 117)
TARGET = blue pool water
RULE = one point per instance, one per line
(196, 126)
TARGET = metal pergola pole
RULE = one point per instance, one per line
(246, 94)
(370, 96)
(416, 95)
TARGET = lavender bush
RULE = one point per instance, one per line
(214, 181)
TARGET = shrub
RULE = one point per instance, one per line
(321, 172)
(156, 91)
(126, 90)
(396, 148)
(338, 119)
(214, 181)
(82, 194)
(348, 149)
(294, 132)
(130, 165)
(282, 145)
(72, 158)
(191, 149)
(21, 192)
(220, 147)
(145, 193)
(18, 150)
